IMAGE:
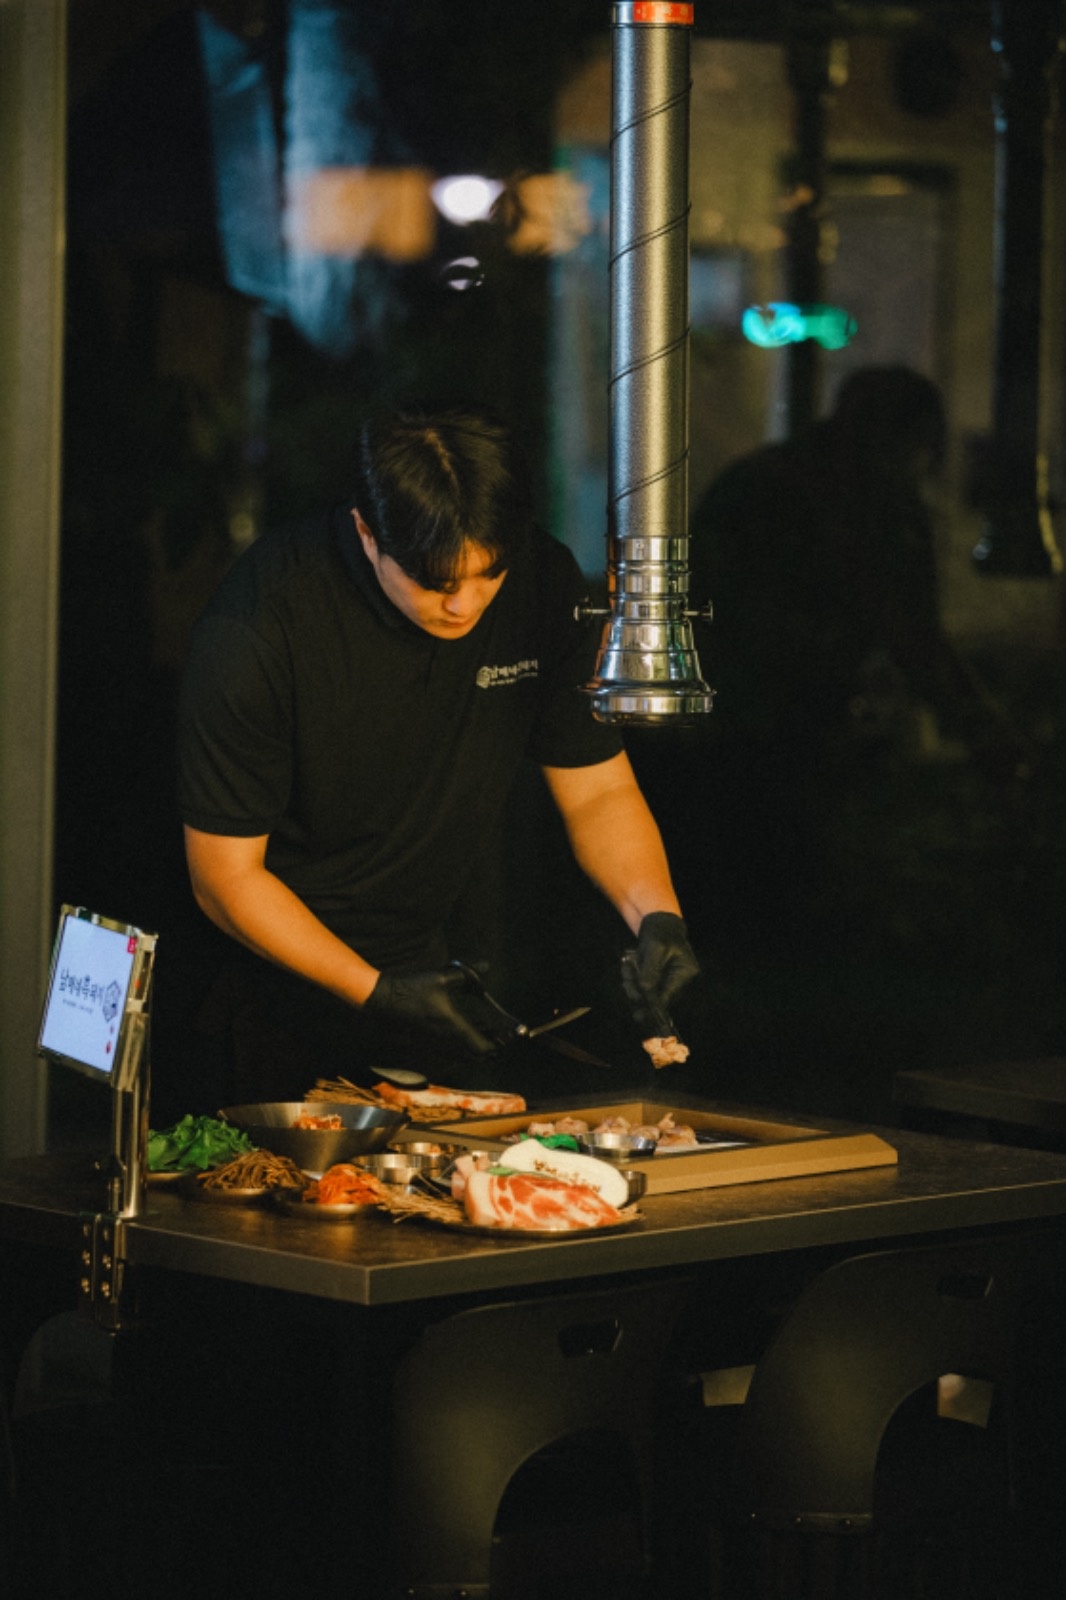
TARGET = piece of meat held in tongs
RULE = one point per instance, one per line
(521, 1200)
(665, 1052)
(659, 1038)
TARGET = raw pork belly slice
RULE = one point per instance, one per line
(520, 1200)
(493, 1105)
(463, 1167)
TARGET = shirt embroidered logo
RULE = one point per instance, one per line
(497, 677)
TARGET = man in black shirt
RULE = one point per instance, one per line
(358, 701)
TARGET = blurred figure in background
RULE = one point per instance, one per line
(826, 651)
(819, 556)
(857, 826)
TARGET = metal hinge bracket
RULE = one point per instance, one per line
(101, 1267)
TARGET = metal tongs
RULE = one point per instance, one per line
(652, 1019)
(510, 1031)
(515, 1031)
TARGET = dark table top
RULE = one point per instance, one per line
(938, 1185)
(1021, 1094)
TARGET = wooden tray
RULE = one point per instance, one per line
(772, 1149)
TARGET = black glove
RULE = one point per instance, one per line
(656, 972)
(449, 1005)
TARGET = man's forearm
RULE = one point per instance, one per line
(615, 839)
(237, 892)
(620, 848)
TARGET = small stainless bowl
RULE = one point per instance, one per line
(618, 1147)
(435, 1155)
(637, 1182)
(393, 1166)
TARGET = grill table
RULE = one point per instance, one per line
(337, 1304)
(935, 1185)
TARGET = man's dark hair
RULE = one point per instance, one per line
(429, 483)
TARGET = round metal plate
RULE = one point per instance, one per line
(192, 1189)
(541, 1235)
(313, 1212)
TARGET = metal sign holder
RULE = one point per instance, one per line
(103, 1233)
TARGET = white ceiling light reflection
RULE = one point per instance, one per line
(467, 198)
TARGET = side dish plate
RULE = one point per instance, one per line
(192, 1189)
(296, 1206)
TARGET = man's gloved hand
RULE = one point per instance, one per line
(656, 972)
(450, 1005)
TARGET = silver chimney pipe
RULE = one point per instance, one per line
(647, 671)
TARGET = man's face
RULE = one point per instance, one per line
(448, 613)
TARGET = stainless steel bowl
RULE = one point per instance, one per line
(436, 1156)
(269, 1125)
(396, 1167)
(638, 1183)
(617, 1147)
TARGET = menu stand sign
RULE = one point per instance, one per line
(95, 1021)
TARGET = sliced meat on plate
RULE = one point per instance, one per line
(521, 1200)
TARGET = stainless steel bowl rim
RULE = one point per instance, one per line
(269, 1126)
(283, 1113)
(616, 1146)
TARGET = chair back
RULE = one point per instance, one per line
(483, 1391)
(862, 1337)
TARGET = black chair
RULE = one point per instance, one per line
(482, 1393)
(854, 1473)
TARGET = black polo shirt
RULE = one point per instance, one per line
(374, 755)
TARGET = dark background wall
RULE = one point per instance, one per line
(204, 402)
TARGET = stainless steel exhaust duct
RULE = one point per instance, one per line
(647, 671)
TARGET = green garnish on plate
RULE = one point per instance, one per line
(195, 1144)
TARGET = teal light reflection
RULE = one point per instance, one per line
(780, 323)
